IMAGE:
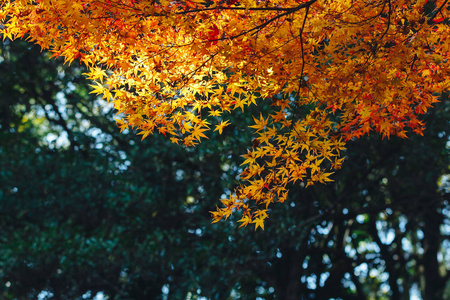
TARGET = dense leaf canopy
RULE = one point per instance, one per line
(319, 72)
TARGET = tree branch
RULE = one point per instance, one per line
(435, 12)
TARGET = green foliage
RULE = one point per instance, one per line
(86, 209)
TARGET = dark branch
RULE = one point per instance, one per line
(262, 25)
(234, 8)
(435, 12)
(301, 46)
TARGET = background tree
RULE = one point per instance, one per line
(86, 209)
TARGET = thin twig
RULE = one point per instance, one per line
(303, 52)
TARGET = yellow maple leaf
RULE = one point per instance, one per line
(259, 124)
(221, 126)
(245, 220)
(259, 222)
(197, 132)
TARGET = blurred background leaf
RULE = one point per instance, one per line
(89, 212)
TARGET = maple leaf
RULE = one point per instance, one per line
(245, 220)
(97, 88)
(226, 212)
(239, 103)
(215, 113)
(259, 222)
(221, 126)
(217, 215)
(96, 73)
(197, 132)
(259, 124)
(175, 140)
(324, 177)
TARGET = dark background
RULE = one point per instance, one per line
(89, 212)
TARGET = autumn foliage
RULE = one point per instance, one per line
(331, 71)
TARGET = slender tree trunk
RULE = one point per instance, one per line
(288, 284)
(434, 283)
